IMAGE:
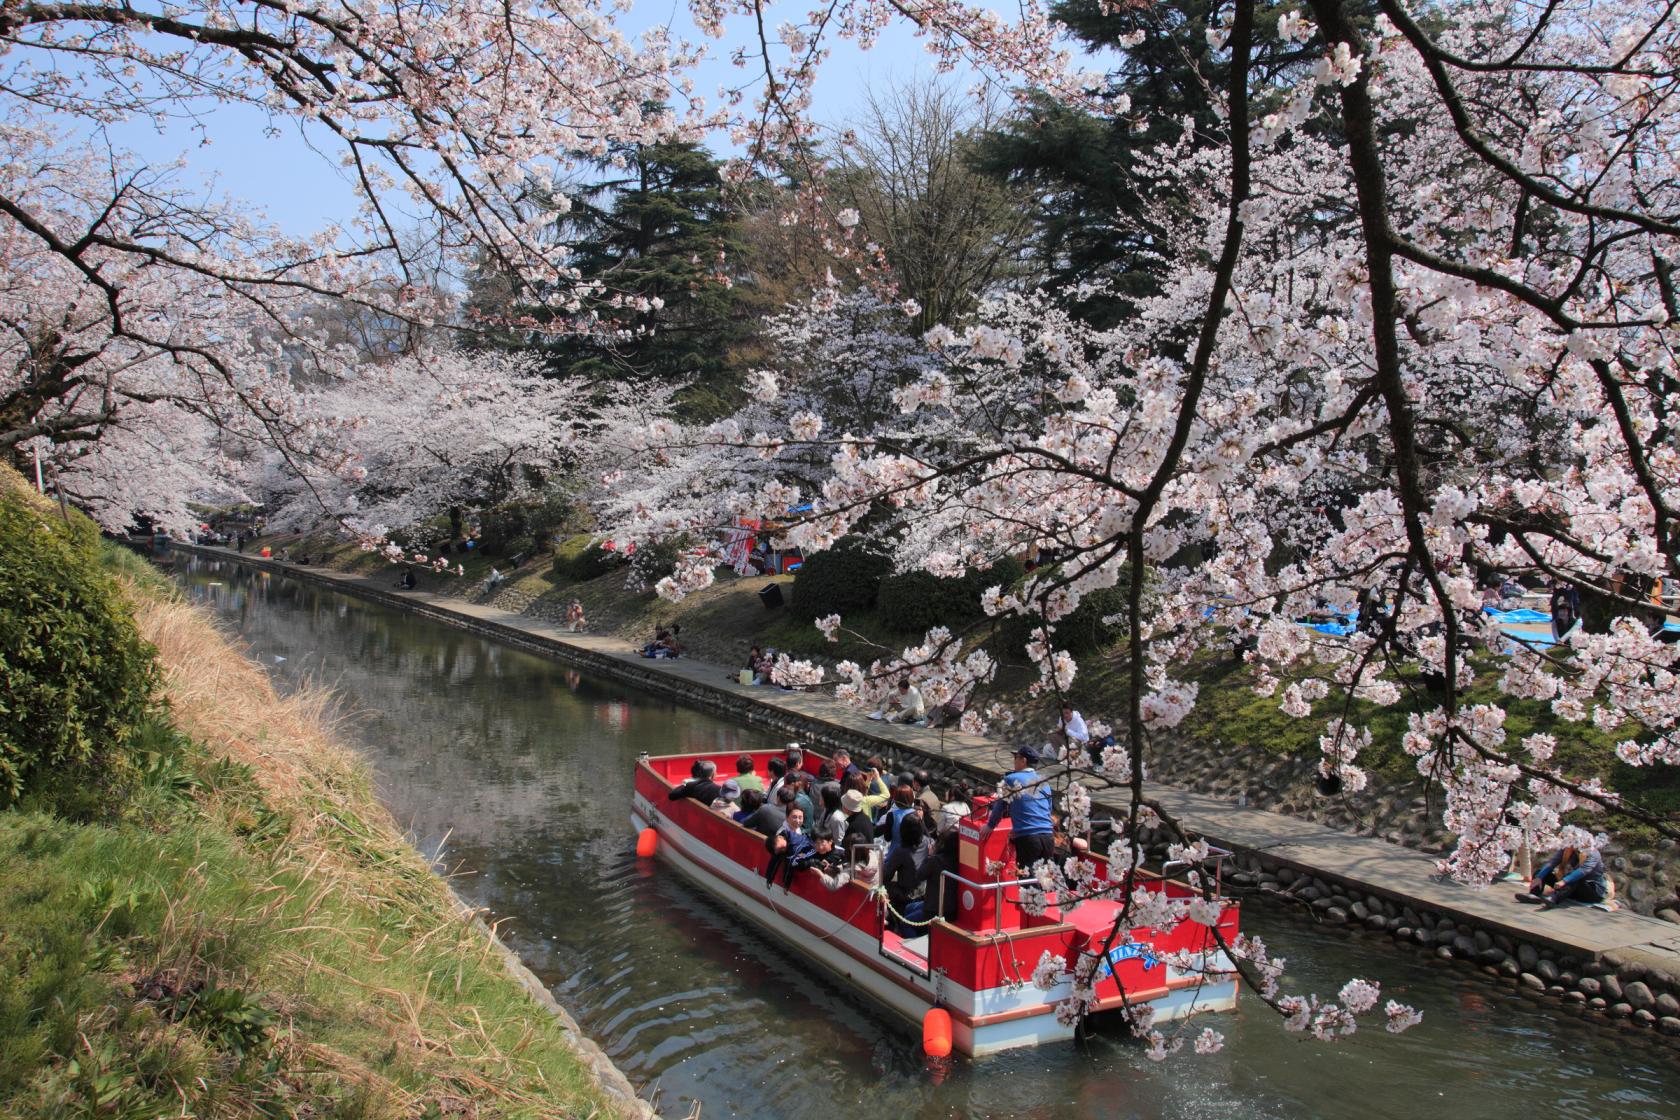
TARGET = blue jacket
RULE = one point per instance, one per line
(799, 847)
(1029, 810)
(890, 822)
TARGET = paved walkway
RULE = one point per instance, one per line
(1368, 865)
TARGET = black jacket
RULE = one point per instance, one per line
(703, 790)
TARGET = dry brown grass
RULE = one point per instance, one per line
(222, 697)
(351, 909)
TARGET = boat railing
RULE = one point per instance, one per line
(1217, 855)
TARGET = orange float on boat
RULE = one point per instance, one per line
(936, 1033)
(647, 842)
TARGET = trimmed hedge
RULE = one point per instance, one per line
(75, 676)
(1079, 633)
(916, 602)
(581, 559)
(844, 579)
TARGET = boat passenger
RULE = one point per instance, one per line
(902, 873)
(875, 792)
(795, 757)
(778, 776)
(728, 798)
(926, 794)
(752, 800)
(834, 817)
(860, 828)
(700, 787)
(830, 864)
(746, 776)
(958, 805)
(789, 849)
(1028, 808)
(938, 896)
(844, 767)
(800, 782)
(770, 816)
(903, 808)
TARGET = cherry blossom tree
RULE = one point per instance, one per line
(1417, 331)
(443, 429)
(129, 287)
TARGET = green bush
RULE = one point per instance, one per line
(915, 602)
(843, 579)
(1084, 631)
(582, 559)
(1079, 633)
(75, 676)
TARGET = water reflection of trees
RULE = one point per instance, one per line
(492, 745)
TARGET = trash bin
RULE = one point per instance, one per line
(770, 595)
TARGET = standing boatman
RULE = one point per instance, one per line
(1028, 807)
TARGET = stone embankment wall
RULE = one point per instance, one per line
(1647, 879)
(1632, 987)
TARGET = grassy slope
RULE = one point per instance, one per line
(252, 935)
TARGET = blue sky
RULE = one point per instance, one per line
(303, 189)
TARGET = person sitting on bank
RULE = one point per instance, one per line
(748, 673)
(1028, 808)
(1072, 734)
(407, 583)
(789, 849)
(574, 617)
(660, 646)
(700, 786)
(905, 706)
(746, 774)
(1571, 875)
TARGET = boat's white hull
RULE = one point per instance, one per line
(1009, 1017)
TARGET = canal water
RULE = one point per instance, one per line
(519, 770)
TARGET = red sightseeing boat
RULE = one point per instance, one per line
(979, 968)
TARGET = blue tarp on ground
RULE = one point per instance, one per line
(1340, 629)
(1521, 614)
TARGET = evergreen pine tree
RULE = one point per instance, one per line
(657, 230)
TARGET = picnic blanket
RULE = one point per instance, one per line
(1521, 614)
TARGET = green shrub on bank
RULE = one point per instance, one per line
(581, 558)
(75, 676)
(915, 602)
(845, 578)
